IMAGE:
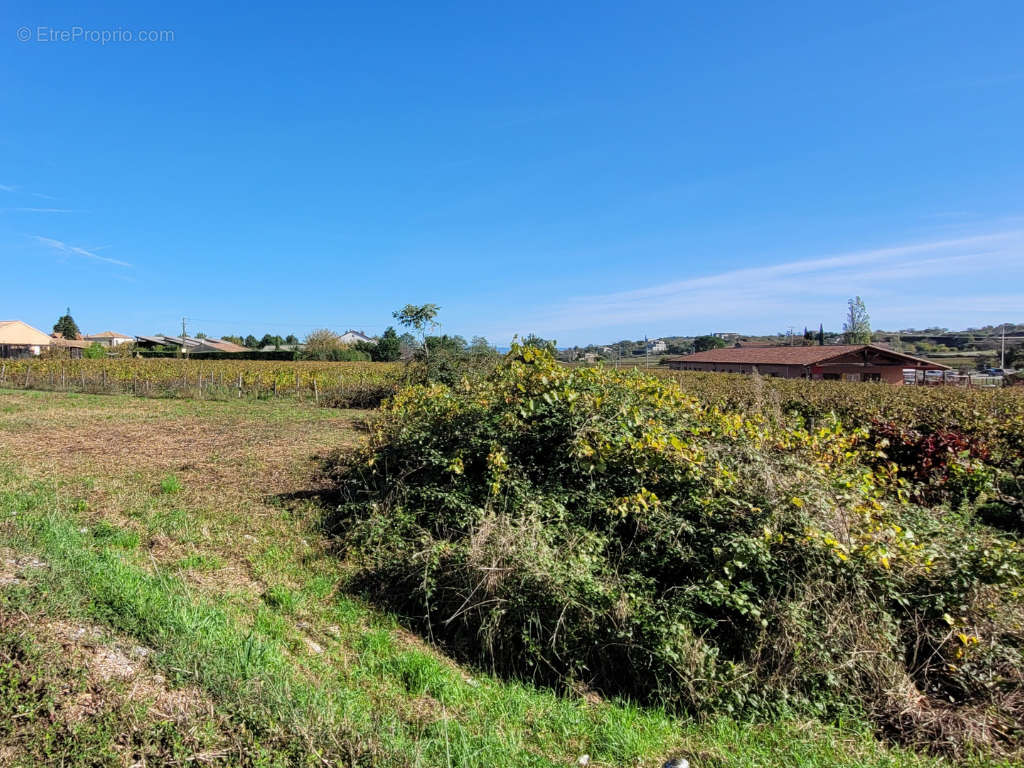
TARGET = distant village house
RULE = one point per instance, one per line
(108, 338)
(848, 362)
(18, 339)
(353, 337)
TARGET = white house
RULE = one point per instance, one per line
(353, 337)
(108, 338)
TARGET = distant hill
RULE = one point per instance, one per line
(974, 348)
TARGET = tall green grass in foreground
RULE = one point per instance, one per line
(373, 696)
(306, 711)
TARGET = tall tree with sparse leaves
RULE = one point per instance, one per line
(419, 317)
(857, 326)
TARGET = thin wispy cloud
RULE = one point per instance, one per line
(13, 188)
(42, 210)
(59, 245)
(809, 288)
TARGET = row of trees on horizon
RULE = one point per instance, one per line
(420, 327)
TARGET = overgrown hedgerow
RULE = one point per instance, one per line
(602, 529)
(950, 440)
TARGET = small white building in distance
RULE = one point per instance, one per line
(108, 338)
(352, 337)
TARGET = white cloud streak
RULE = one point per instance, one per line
(809, 288)
(59, 245)
(41, 210)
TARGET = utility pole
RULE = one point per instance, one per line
(1002, 349)
(184, 349)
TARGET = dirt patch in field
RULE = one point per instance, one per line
(230, 578)
(109, 661)
(86, 693)
(422, 710)
(14, 565)
(117, 433)
(214, 451)
(184, 476)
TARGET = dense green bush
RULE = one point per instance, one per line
(94, 351)
(595, 528)
(450, 360)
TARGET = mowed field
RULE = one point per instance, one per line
(167, 598)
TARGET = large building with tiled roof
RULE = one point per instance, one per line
(846, 362)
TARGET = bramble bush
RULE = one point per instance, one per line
(604, 530)
(944, 464)
(990, 422)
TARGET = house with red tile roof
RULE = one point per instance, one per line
(844, 362)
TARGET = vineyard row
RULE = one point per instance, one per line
(335, 384)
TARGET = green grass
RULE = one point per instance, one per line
(310, 706)
(237, 594)
(170, 484)
(201, 562)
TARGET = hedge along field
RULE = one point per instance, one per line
(979, 411)
(604, 530)
(358, 384)
(951, 441)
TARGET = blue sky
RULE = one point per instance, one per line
(587, 171)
